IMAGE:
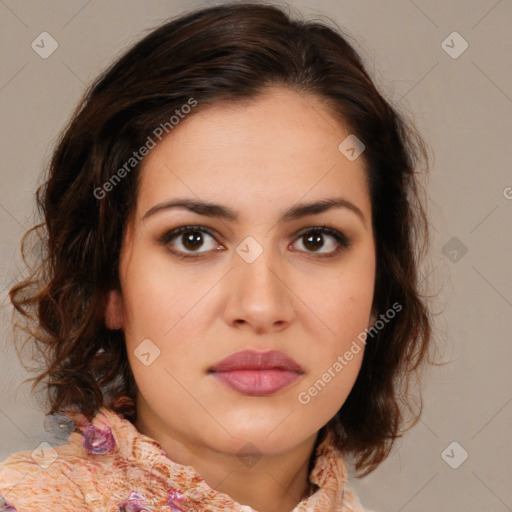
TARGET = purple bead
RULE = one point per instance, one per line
(5, 507)
(134, 503)
(175, 499)
(98, 441)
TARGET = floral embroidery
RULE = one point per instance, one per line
(5, 507)
(134, 503)
(98, 441)
(175, 499)
(59, 425)
(140, 459)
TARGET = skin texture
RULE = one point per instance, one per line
(258, 158)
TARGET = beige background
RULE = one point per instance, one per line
(464, 108)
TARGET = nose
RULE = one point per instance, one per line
(258, 296)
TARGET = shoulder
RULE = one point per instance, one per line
(42, 478)
(90, 472)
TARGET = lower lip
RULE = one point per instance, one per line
(257, 382)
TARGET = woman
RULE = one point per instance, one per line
(228, 302)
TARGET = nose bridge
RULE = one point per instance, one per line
(258, 295)
(258, 267)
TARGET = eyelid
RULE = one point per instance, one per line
(343, 241)
(171, 233)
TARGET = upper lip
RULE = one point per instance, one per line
(254, 360)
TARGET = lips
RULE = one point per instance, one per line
(256, 373)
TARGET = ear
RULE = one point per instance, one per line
(114, 317)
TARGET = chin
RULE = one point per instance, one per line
(262, 439)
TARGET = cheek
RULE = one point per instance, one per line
(344, 300)
(335, 364)
(343, 304)
(157, 297)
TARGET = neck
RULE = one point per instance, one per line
(267, 483)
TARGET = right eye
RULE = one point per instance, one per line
(188, 240)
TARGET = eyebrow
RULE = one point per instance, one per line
(223, 212)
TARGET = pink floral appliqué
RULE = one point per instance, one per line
(98, 441)
(175, 499)
(134, 503)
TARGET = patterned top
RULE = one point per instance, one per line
(107, 465)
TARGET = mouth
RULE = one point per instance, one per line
(255, 373)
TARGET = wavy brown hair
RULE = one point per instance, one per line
(223, 53)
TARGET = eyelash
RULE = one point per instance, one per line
(343, 242)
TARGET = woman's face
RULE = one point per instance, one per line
(255, 272)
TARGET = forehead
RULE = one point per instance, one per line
(279, 147)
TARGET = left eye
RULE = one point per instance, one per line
(314, 240)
